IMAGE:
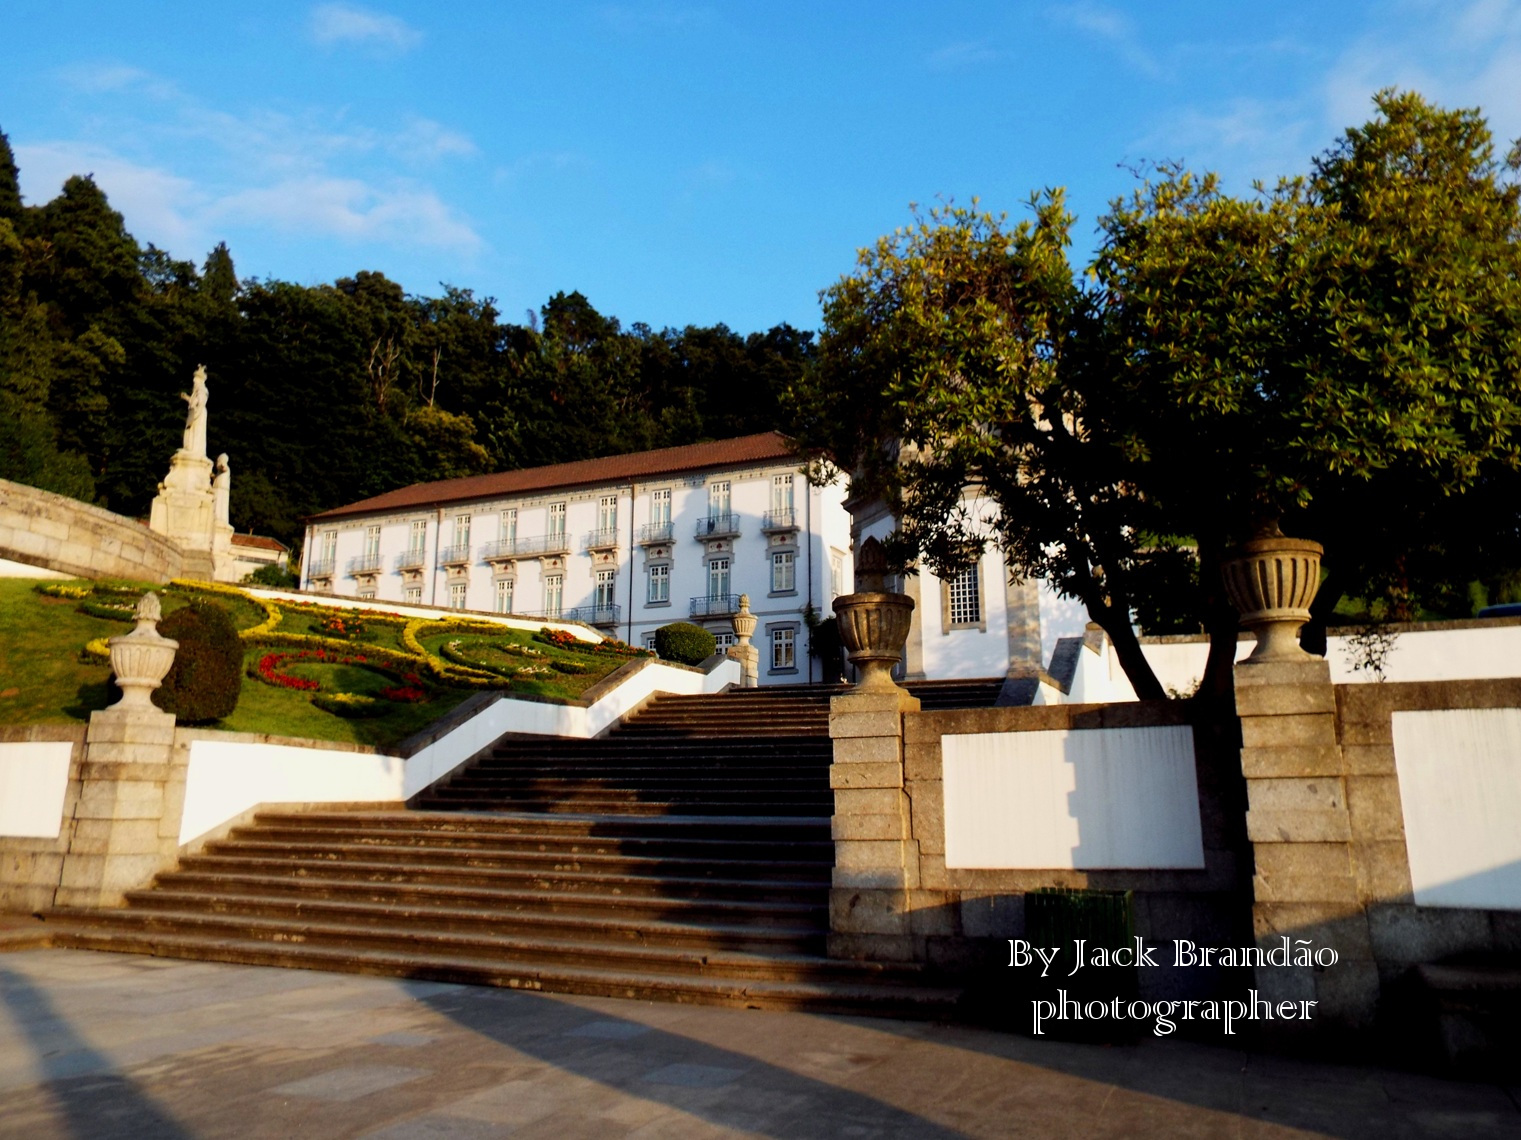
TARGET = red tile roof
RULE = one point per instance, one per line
(259, 542)
(764, 447)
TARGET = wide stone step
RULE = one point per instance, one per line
(442, 798)
(755, 829)
(267, 910)
(400, 878)
(304, 858)
(428, 846)
(883, 994)
(504, 903)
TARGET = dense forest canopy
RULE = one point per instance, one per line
(329, 393)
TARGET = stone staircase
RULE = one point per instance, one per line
(684, 856)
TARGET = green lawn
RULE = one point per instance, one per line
(45, 677)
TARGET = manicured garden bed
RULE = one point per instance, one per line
(310, 670)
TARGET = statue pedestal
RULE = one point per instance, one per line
(185, 512)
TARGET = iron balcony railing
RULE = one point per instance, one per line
(412, 559)
(526, 547)
(656, 532)
(454, 555)
(365, 564)
(594, 615)
(717, 526)
(321, 568)
(603, 539)
(715, 605)
(780, 520)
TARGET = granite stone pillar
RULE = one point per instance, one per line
(1306, 879)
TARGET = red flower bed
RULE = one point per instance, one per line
(559, 639)
(270, 665)
(405, 694)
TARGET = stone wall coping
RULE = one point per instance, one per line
(223, 737)
(1395, 627)
(25, 733)
(1427, 696)
(1045, 718)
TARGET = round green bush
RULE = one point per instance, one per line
(207, 674)
(684, 643)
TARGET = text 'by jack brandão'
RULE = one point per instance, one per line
(1165, 1014)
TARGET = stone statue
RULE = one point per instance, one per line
(221, 491)
(195, 418)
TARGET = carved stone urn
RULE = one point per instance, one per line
(142, 659)
(873, 622)
(742, 651)
(1271, 580)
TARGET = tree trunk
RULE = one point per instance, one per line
(1312, 637)
(1221, 623)
(1127, 647)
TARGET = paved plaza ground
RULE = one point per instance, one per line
(101, 1045)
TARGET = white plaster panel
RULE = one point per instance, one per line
(1084, 800)
(9, 569)
(34, 780)
(1460, 790)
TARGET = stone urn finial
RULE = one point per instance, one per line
(1271, 580)
(742, 651)
(142, 659)
(873, 622)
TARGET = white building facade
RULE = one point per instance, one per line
(626, 544)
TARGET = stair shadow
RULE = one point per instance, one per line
(757, 1098)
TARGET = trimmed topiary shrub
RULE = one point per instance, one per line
(277, 577)
(207, 675)
(684, 643)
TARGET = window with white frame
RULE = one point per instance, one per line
(836, 575)
(660, 506)
(461, 530)
(784, 648)
(718, 578)
(367, 594)
(504, 595)
(417, 537)
(659, 583)
(783, 571)
(722, 641)
(457, 596)
(607, 513)
(412, 595)
(781, 493)
(557, 520)
(372, 543)
(649, 642)
(965, 597)
(718, 499)
(329, 547)
(510, 525)
(554, 594)
(607, 582)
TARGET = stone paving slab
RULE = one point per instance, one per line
(104, 1046)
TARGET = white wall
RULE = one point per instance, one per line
(9, 569)
(34, 780)
(1091, 799)
(1460, 790)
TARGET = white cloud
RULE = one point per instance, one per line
(423, 140)
(159, 206)
(351, 24)
(101, 78)
(1113, 27)
(961, 56)
(353, 210)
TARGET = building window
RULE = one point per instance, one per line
(718, 500)
(606, 587)
(649, 642)
(783, 572)
(457, 596)
(504, 595)
(660, 583)
(412, 595)
(557, 520)
(718, 578)
(660, 507)
(964, 598)
(417, 539)
(462, 530)
(784, 648)
(510, 525)
(836, 575)
(781, 493)
(722, 641)
(372, 544)
(367, 595)
(329, 548)
(607, 513)
(554, 592)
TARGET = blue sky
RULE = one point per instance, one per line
(682, 164)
